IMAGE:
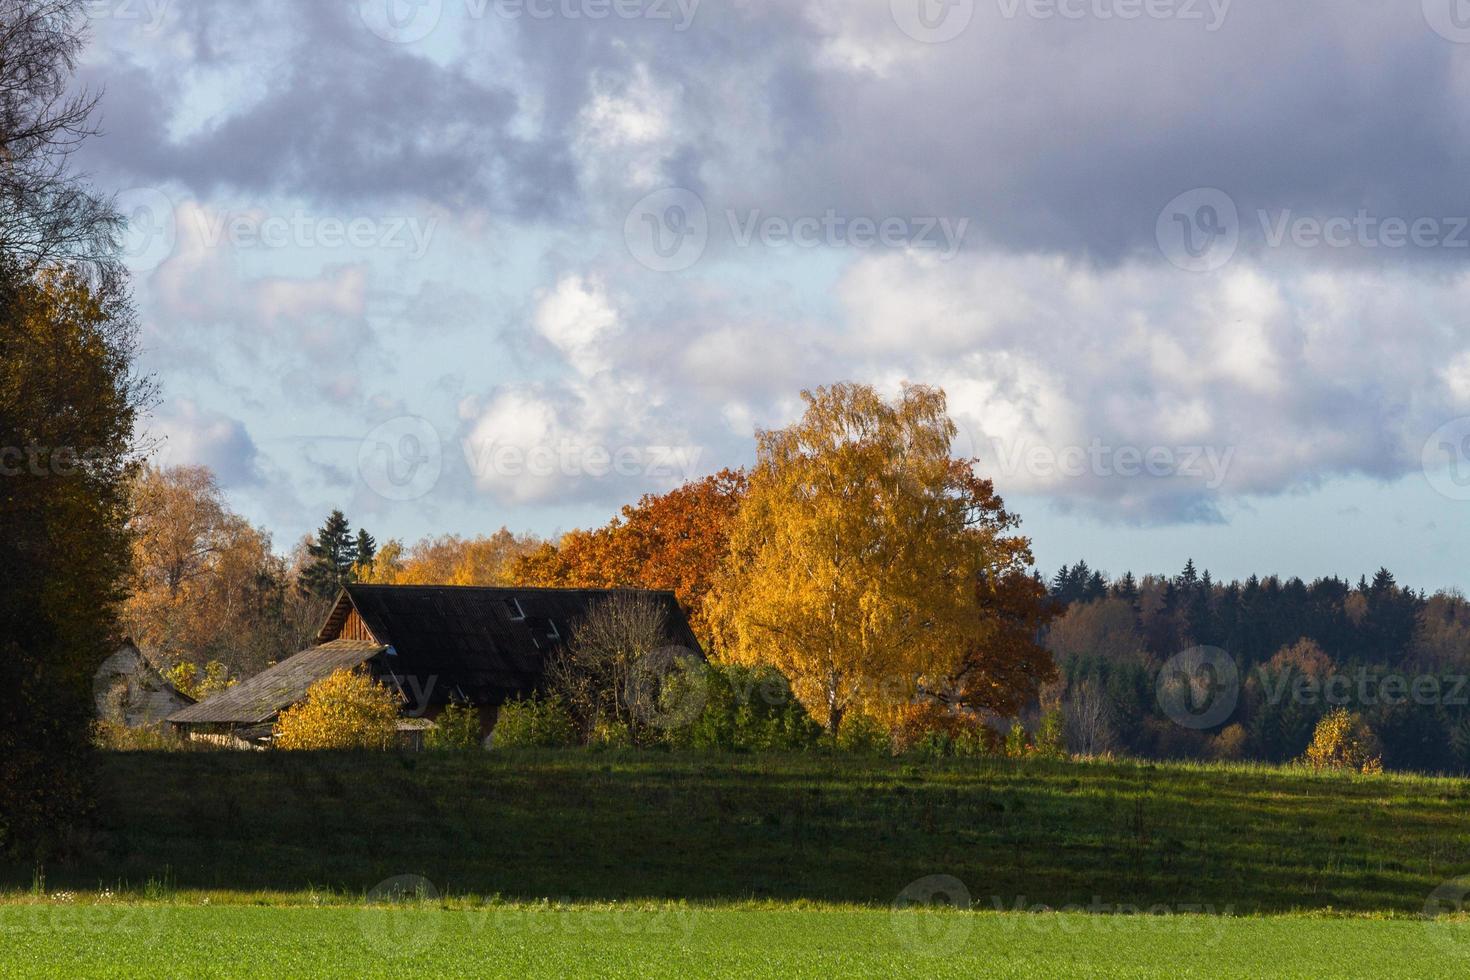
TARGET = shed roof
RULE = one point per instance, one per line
(260, 698)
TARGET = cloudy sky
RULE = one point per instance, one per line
(1194, 273)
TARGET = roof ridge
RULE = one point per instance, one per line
(508, 588)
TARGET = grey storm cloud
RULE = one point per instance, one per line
(1049, 133)
(337, 115)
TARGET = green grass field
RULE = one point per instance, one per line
(575, 862)
(181, 941)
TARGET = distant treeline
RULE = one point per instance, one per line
(1398, 657)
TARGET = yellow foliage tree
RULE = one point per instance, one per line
(858, 554)
(348, 710)
(1343, 741)
(185, 677)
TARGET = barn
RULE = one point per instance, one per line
(435, 645)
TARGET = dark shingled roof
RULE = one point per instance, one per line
(487, 644)
(259, 699)
(438, 643)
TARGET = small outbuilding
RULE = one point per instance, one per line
(129, 690)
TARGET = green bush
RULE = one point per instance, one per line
(933, 745)
(982, 741)
(457, 729)
(534, 723)
(744, 709)
(1018, 741)
(863, 735)
(1051, 738)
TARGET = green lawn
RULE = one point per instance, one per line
(184, 941)
(575, 863)
(578, 826)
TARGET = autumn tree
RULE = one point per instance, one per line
(68, 403)
(672, 542)
(856, 557)
(206, 586)
(1343, 741)
(453, 560)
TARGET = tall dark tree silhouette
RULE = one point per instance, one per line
(333, 558)
(366, 547)
(68, 404)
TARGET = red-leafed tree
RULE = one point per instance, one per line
(673, 541)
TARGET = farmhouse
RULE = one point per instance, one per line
(435, 645)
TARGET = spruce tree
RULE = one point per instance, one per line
(367, 549)
(333, 554)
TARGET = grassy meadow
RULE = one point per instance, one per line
(561, 862)
(729, 942)
(584, 826)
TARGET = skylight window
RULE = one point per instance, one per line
(513, 606)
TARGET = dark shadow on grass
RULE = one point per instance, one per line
(590, 826)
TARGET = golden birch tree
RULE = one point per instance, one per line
(858, 557)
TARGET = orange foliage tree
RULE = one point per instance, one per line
(673, 541)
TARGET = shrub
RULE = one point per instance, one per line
(1018, 741)
(457, 729)
(1343, 741)
(983, 741)
(608, 735)
(743, 709)
(1230, 744)
(863, 735)
(348, 710)
(930, 727)
(1051, 737)
(534, 723)
(116, 737)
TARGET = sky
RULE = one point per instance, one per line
(1193, 273)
